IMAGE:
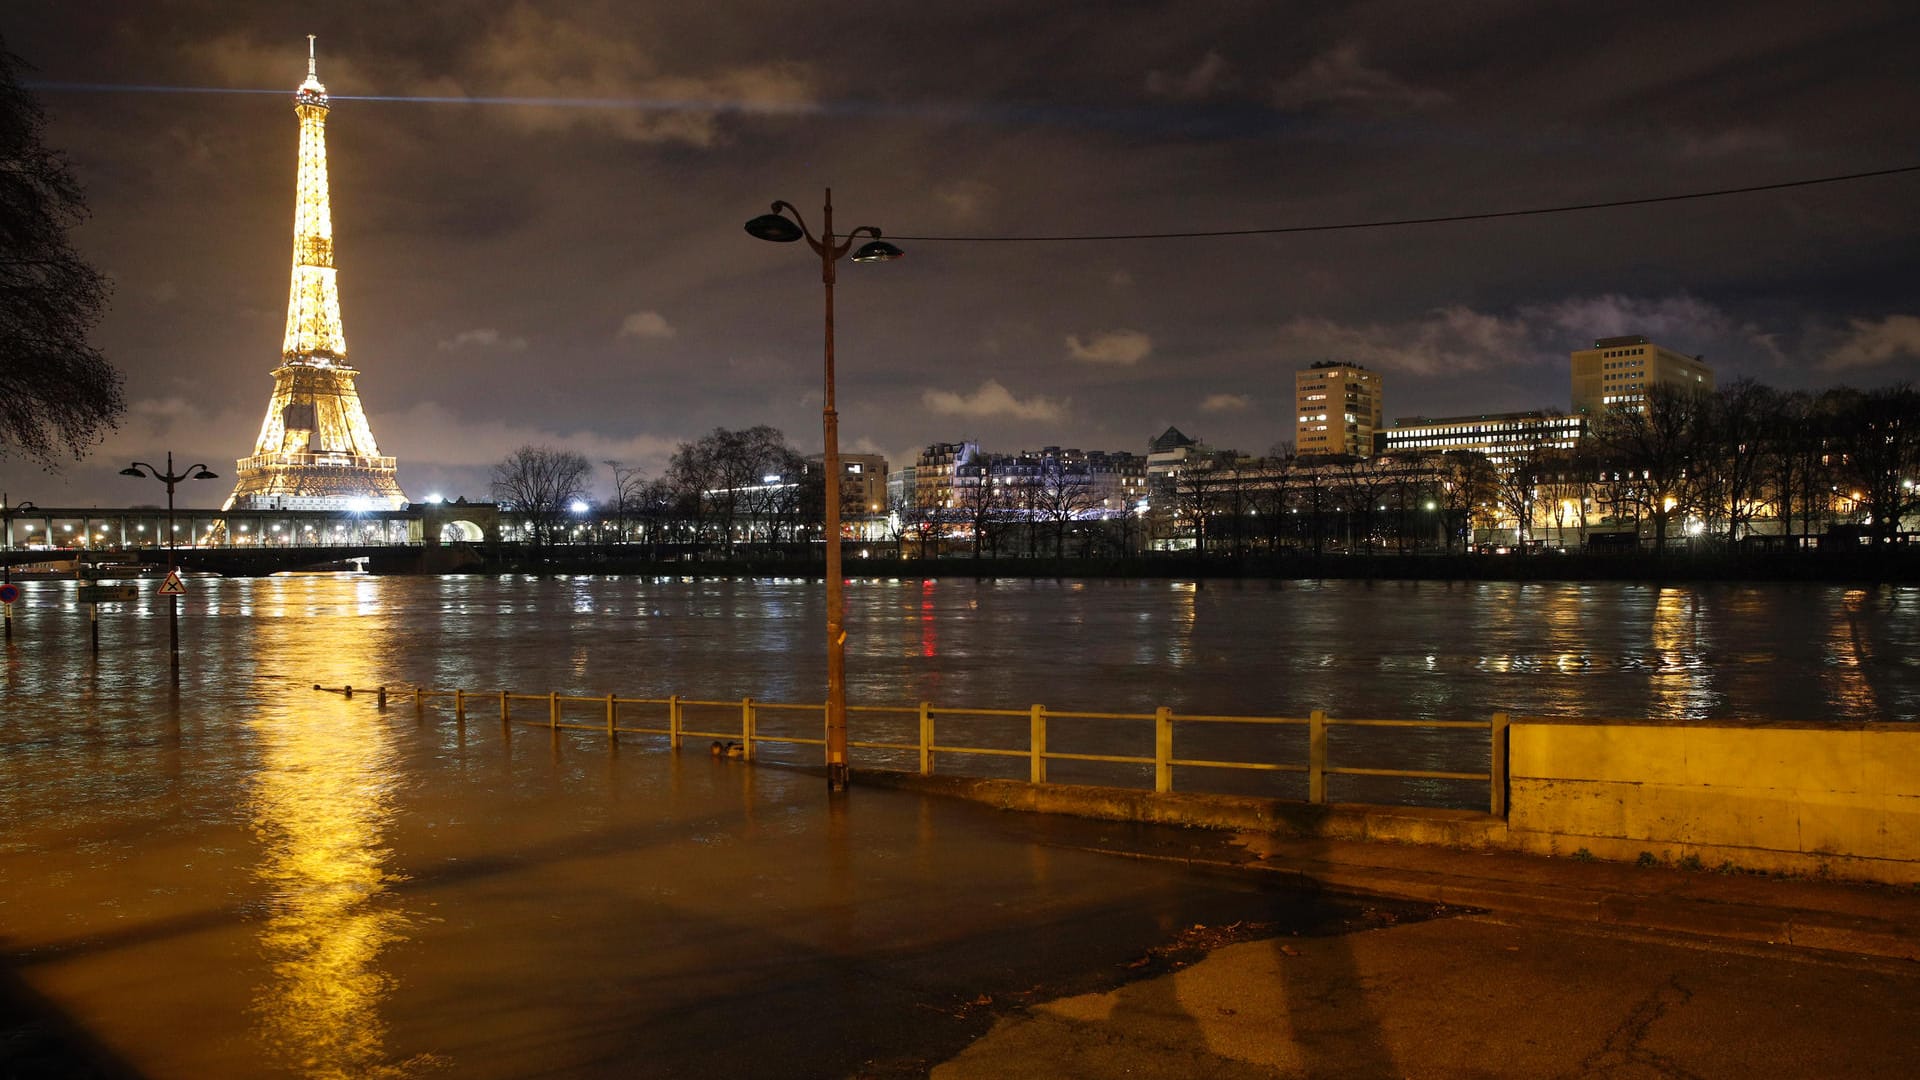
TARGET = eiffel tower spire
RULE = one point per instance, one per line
(315, 449)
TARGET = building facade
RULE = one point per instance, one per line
(1499, 436)
(902, 492)
(863, 485)
(1617, 371)
(1098, 483)
(1337, 409)
(935, 472)
(1167, 457)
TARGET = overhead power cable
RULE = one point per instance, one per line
(1438, 220)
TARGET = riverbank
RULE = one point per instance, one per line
(1863, 566)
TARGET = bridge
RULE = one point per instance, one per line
(250, 543)
(224, 561)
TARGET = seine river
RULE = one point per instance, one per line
(244, 876)
(1418, 650)
(1354, 649)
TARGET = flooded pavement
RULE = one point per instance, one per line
(384, 898)
(239, 876)
(1479, 996)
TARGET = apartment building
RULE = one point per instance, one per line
(1337, 409)
(936, 471)
(1617, 371)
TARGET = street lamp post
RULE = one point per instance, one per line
(779, 229)
(170, 478)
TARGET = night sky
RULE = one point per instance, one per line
(576, 274)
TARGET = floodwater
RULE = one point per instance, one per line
(1414, 650)
(1431, 651)
(244, 876)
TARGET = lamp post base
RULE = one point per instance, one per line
(837, 778)
(173, 634)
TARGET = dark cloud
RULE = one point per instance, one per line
(565, 264)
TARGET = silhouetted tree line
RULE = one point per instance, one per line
(1032, 504)
(1745, 465)
(722, 492)
(1747, 462)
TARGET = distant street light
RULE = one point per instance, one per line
(171, 478)
(779, 229)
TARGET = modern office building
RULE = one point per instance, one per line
(1497, 435)
(1617, 371)
(1337, 409)
(863, 485)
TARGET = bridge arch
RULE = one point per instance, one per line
(461, 531)
(457, 522)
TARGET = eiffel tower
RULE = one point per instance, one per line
(316, 451)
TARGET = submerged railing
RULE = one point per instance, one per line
(669, 717)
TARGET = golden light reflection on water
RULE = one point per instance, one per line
(321, 805)
(1183, 618)
(1565, 613)
(1680, 681)
(1848, 653)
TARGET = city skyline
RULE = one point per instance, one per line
(573, 272)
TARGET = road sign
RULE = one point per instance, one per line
(107, 594)
(9, 593)
(172, 586)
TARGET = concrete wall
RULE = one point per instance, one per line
(1833, 799)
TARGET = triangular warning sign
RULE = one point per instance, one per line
(172, 586)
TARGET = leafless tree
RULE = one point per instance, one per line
(1067, 496)
(541, 483)
(1736, 448)
(1266, 481)
(1568, 479)
(1467, 484)
(1196, 500)
(721, 478)
(979, 502)
(61, 394)
(1876, 453)
(1654, 448)
(630, 487)
(1523, 465)
(1313, 491)
(1796, 469)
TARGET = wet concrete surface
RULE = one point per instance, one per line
(1475, 996)
(381, 897)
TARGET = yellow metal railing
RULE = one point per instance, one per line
(670, 718)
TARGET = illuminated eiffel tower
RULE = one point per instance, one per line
(316, 451)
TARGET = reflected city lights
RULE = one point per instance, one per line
(321, 804)
(1682, 684)
(929, 628)
(1849, 653)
